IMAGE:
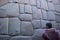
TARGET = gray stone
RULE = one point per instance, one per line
(21, 38)
(14, 26)
(38, 34)
(44, 14)
(3, 25)
(36, 13)
(55, 1)
(44, 4)
(4, 37)
(21, 8)
(26, 28)
(51, 6)
(51, 15)
(38, 3)
(33, 2)
(36, 24)
(49, 0)
(13, 0)
(3, 2)
(28, 9)
(10, 9)
(25, 17)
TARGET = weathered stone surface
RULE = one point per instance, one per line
(26, 28)
(44, 14)
(38, 3)
(4, 37)
(25, 17)
(3, 25)
(44, 4)
(36, 13)
(14, 26)
(21, 38)
(21, 8)
(9, 9)
(3, 2)
(38, 34)
(33, 2)
(51, 6)
(28, 9)
(51, 15)
(36, 24)
(55, 1)
(49, 0)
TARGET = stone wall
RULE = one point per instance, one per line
(26, 19)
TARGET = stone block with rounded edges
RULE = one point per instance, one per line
(3, 25)
(25, 17)
(36, 24)
(10, 9)
(51, 15)
(4, 37)
(26, 28)
(28, 9)
(21, 38)
(21, 8)
(44, 14)
(44, 4)
(38, 34)
(3, 2)
(33, 2)
(36, 13)
(14, 26)
(55, 2)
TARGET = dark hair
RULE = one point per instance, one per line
(49, 25)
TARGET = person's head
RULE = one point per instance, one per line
(49, 25)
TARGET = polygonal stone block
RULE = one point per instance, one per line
(21, 38)
(21, 8)
(4, 37)
(3, 25)
(36, 24)
(44, 4)
(57, 18)
(51, 15)
(38, 34)
(43, 23)
(33, 2)
(51, 6)
(25, 17)
(44, 14)
(13, 0)
(36, 13)
(55, 1)
(38, 3)
(9, 9)
(57, 8)
(26, 28)
(28, 9)
(14, 26)
(3, 2)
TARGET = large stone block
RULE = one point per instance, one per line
(33, 2)
(51, 15)
(51, 6)
(26, 28)
(44, 14)
(36, 13)
(28, 9)
(3, 25)
(38, 34)
(36, 24)
(4, 37)
(57, 18)
(9, 9)
(14, 26)
(55, 1)
(21, 38)
(21, 8)
(13, 0)
(38, 3)
(44, 4)
(49, 0)
(25, 17)
(3, 2)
